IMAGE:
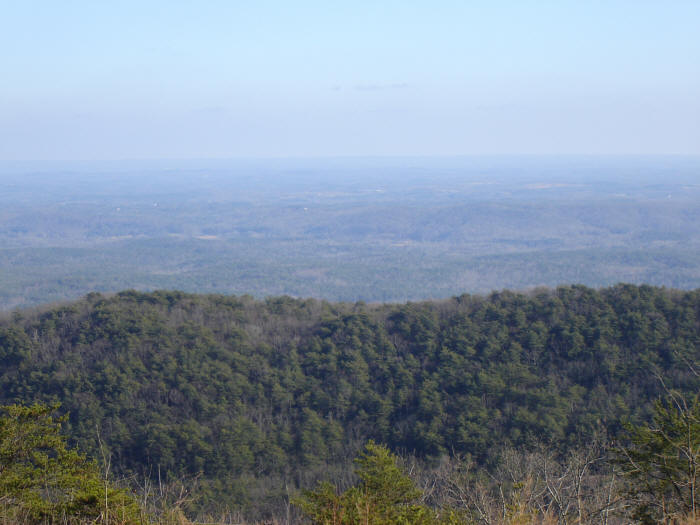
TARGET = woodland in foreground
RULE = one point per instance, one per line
(505, 407)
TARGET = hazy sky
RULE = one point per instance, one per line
(193, 79)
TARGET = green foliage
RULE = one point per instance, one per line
(662, 461)
(42, 481)
(384, 495)
(279, 393)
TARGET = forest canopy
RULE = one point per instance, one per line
(256, 394)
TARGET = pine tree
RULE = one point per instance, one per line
(43, 481)
(662, 462)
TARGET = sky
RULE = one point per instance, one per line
(152, 79)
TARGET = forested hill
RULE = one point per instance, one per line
(238, 388)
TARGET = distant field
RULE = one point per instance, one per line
(348, 229)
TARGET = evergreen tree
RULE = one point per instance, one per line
(385, 495)
(662, 461)
(43, 481)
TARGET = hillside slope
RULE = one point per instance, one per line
(238, 388)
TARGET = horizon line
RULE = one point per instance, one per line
(348, 157)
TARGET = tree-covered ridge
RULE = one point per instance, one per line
(238, 388)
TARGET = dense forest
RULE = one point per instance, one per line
(252, 399)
